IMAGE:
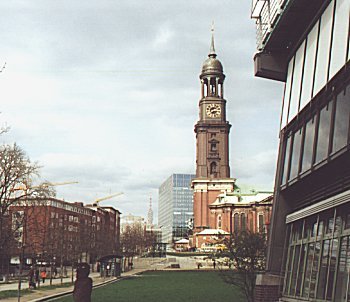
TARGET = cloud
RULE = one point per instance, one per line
(106, 92)
(163, 37)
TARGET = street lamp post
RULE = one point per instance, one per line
(21, 260)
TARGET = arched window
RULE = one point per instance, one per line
(213, 168)
(219, 222)
(261, 222)
(243, 222)
(236, 222)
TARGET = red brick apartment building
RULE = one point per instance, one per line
(54, 231)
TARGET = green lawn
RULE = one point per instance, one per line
(159, 286)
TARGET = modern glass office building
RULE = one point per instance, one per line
(305, 44)
(175, 206)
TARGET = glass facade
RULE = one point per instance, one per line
(312, 194)
(175, 207)
(318, 256)
(318, 137)
(322, 53)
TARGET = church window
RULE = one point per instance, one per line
(219, 225)
(261, 222)
(243, 222)
(236, 222)
(213, 147)
(213, 167)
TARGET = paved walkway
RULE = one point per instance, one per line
(140, 265)
(40, 295)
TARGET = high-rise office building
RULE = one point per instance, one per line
(305, 44)
(175, 207)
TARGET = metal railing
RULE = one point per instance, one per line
(266, 13)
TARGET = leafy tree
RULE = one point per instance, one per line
(247, 253)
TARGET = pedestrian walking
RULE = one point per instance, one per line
(43, 275)
(37, 276)
(83, 284)
(55, 271)
(31, 274)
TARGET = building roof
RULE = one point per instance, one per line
(243, 195)
(212, 64)
(183, 240)
(213, 232)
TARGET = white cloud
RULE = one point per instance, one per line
(163, 36)
(106, 92)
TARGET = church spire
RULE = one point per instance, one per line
(212, 46)
(150, 213)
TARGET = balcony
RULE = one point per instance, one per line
(281, 23)
(266, 13)
(280, 26)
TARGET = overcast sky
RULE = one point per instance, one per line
(106, 93)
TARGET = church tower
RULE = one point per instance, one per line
(212, 129)
(212, 137)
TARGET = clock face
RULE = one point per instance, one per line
(213, 110)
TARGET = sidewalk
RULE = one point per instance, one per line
(40, 295)
(140, 265)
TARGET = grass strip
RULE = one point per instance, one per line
(14, 292)
(179, 286)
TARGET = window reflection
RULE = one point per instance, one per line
(294, 270)
(286, 161)
(294, 166)
(341, 124)
(322, 282)
(323, 132)
(303, 252)
(319, 267)
(312, 143)
(308, 145)
(343, 270)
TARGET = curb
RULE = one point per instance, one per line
(69, 292)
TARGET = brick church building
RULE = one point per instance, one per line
(220, 206)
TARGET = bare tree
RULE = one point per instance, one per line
(132, 242)
(247, 253)
(16, 189)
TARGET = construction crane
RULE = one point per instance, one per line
(54, 184)
(24, 187)
(98, 200)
